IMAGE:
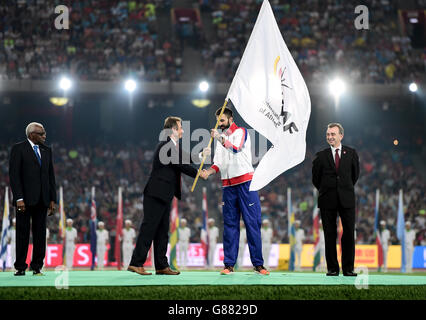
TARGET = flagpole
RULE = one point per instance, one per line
(208, 146)
(119, 228)
(379, 243)
(93, 229)
(5, 229)
(205, 242)
(400, 231)
(316, 234)
(291, 238)
(289, 211)
(62, 224)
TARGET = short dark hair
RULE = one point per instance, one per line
(172, 122)
(227, 112)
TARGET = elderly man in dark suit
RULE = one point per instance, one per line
(335, 171)
(164, 183)
(32, 180)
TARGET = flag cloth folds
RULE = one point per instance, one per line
(269, 93)
(291, 231)
(5, 229)
(204, 231)
(174, 219)
(62, 223)
(93, 237)
(315, 218)
(377, 232)
(400, 230)
(119, 229)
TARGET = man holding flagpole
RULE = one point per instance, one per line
(233, 159)
(335, 171)
(269, 93)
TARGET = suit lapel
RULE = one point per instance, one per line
(343, 157)
(330, 158)
(43, 156)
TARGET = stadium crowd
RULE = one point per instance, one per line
(109, 40)
(322, 38)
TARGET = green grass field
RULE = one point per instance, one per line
(197, 285)
(216, 293)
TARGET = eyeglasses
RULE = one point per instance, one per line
(40, 133)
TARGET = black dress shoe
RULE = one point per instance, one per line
(19, 273)
(333, 273)
(37, 273)
(349, 274)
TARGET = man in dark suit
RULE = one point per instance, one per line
(335, 171)
(164, 183)
(32, 180)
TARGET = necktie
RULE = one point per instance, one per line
(337, 159)
(36, 153)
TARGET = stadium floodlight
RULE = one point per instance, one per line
(203, 86)
(65, 83)
(337, 87)
(413, 87)
(130, 85)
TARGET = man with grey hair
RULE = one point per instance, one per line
(335, 170)
(32, 180)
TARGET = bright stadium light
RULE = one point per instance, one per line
(203, 86)
(130, 85)
(337, 87)
(65, 83)
(413, 87)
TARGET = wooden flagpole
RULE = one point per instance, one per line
(208, 146)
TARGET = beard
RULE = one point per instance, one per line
(224, 127)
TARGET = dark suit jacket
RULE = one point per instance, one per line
(165, 179)
(335, 186)
(29, 180)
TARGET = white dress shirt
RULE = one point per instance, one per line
(32, 146)
(333, 152)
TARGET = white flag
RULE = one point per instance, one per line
(270, 94)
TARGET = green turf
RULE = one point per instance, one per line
(196, 278)
(341, 292)
(199, 285)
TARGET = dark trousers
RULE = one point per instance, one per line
(329, 222)
(36, 216)
(154, 227)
